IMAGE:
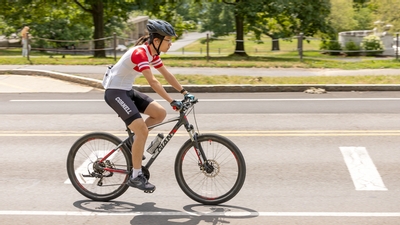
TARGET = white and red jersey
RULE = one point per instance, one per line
(130, 65)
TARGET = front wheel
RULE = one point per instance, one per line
(219, 179)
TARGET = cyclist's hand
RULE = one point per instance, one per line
(189, 96)
(176, 105)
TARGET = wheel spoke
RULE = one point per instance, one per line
(87, 173)
(219, 179)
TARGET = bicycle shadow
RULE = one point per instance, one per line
(147, 213)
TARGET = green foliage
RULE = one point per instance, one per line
(182, 14)
(332, 46)
(58, 20)
(386, 11)
(352, 49)
(182, 26)
(311, 16)
(342, 15)
(218, 18)
(373, 44)
(364, 19)
(87, 19)
(287, 18)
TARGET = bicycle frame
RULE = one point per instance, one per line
(181, 121)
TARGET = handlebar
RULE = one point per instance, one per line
(187, 104)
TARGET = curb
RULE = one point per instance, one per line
(212, 88)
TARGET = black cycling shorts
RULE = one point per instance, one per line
(127, 104)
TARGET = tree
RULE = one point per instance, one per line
(239, 10)
(286, 18)
(41, 17)
(58, 20)
(218, 18)
(387, 11)
(103, 11)
(342, 15)
(364, 18)
(274, 18)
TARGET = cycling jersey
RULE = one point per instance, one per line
(132, 63)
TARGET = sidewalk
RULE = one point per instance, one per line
(98, 71)
(186, 39)
(91, 76)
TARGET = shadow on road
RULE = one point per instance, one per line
(148, 213)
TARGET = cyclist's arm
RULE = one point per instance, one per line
(170, 78)
(156, 85)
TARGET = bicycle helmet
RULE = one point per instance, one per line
(160, 27)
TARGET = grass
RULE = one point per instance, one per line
(226, 45)
(259, 56)
(278, 62)
(201, 61)
(231, 80)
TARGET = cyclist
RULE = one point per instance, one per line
(129, 103)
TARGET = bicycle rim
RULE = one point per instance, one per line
(83, 170)
(217, 185)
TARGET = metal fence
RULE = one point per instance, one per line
(116, 45)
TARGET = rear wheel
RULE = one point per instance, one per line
(219, 179)
(88, 175)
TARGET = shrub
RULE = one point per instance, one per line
(332, 47)
(372, 44)
(352, 49)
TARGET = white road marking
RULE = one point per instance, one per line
(220, 100)
(362, 169)
(213, 214)
(57, 100)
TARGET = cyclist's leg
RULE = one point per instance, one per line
(120, 101)
(156, 113)
(149, 107)
(138, 180)
(139, 127)
(128, 106)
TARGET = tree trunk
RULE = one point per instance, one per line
(98, 21)
(239, 50)
(275, 44)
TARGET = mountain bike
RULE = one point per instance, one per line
(209, 168)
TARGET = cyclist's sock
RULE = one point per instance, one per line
(136, 172)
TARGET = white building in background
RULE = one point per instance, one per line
(381, 31)
(137, 27)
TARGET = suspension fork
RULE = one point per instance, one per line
(194, 138)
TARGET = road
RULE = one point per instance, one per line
(300, 151)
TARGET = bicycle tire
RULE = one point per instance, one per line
(81, 163)
(216, 186)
